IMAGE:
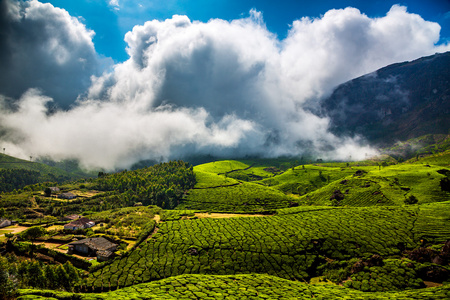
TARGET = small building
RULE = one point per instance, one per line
(67, 196)
(71, 217)
(104, 255)
(81, 223)
(100, 247)
(54, 189)
(4, 223)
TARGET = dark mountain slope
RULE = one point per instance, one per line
(398, 102)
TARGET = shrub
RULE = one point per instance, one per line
(411, 200)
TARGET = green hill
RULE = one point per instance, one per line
(19, 173)
(389, 185)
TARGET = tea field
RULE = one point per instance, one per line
(290, 246)
(237, 287)
(255, 229)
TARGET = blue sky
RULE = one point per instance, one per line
(110, 22)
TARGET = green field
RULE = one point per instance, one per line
(290, 246)
(236, 287)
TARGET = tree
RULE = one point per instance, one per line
(2, 212)
(445, 184)
(8, 284)
(48, 192)
(35, 274)
(411, 200)
(33, 233)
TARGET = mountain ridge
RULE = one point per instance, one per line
(398, 102)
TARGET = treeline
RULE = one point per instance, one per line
(16, 272)
(13, 179)
(163, 184)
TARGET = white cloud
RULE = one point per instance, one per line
(221, 88)
(114, 4)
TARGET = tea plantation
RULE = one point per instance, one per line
(248, 286)
(362, 184)
(323, 230)
(290, 246)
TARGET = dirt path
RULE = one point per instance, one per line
(51, 245)
(157, 218)
(152, 234)
(15, 228)
(219, 215)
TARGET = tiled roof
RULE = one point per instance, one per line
(97, 244)
(79, 222)
(67, 195)
(104, 253)
(72, 217)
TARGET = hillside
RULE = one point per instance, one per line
(398, 102)
(19, 173)
(252, 228)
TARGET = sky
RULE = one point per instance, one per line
(110, 83)
(112, 19)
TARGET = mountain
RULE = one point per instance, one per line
(12, 171)
(398, 102)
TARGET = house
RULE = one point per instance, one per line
(54, 189)
(100, 247)
(71, 217)
(4, 223)
(80, 223)
(104, 255)
(67, 196)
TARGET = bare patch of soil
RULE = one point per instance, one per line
(219, 215)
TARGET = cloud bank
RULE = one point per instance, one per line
(225, 88)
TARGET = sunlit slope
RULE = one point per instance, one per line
(307, 178)
(215, 190)
(47, 173)
(439, 159)
(290, 246)
(241, 197)
(221, 167)
(383, 186)
(212, 180)
(251, 286)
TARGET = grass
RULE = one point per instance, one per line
(221, 167)
(211, 180)
(125, 222)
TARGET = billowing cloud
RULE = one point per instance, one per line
(221, 88)
(44, 47)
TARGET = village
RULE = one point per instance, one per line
(69, 235)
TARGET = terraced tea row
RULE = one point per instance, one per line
(237, 287)
(288, 246)
(245, 197)
(388, 186)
